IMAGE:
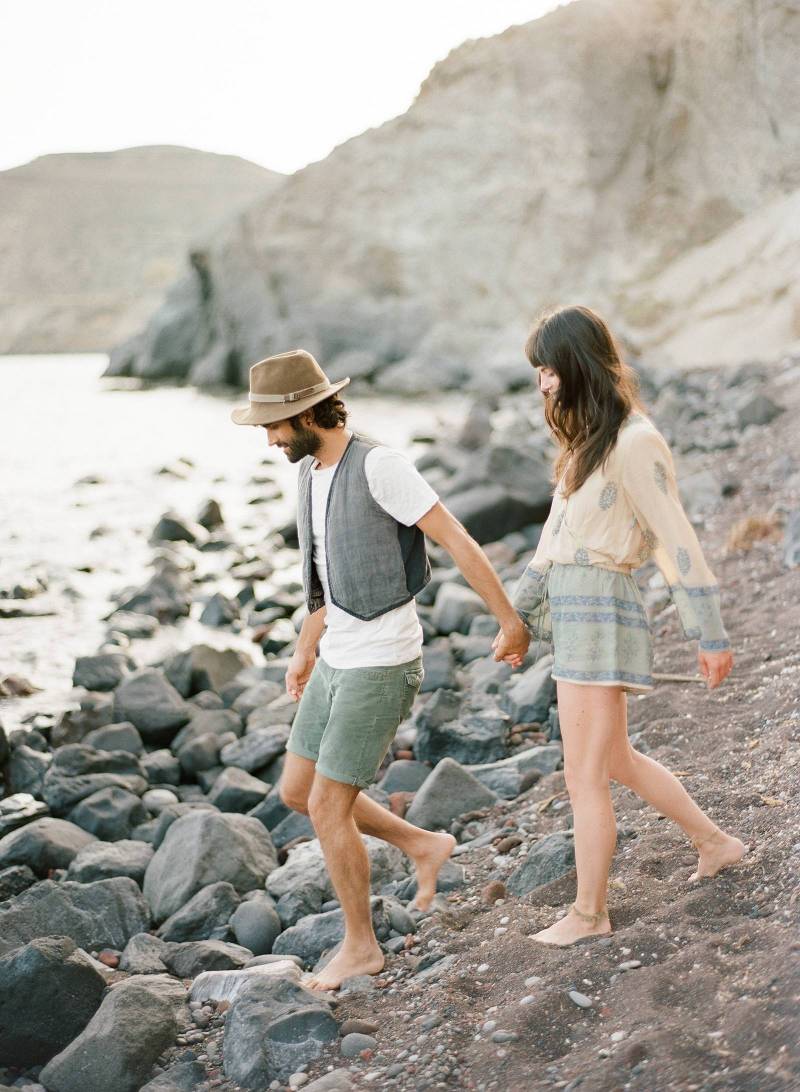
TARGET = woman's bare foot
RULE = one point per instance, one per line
(434, 851)
(715, 852)
(347, 963)
(575, 926)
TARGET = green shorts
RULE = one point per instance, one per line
(348, 717)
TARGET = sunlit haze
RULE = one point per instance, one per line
(278, 83)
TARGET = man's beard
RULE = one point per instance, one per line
(304, 442)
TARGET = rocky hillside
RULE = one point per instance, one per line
(89, 243)
(642, 156)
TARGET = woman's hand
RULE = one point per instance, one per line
(299, 672)
(511, 644)
(715, 666)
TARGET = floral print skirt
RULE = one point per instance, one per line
(600, 632)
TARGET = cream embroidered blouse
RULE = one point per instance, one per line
(624, 513)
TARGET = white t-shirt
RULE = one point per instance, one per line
(394, 637)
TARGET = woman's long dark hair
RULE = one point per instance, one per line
(597, 389)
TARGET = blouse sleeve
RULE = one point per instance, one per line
(649, 481)
(529, 592)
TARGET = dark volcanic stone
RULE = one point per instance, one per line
(49, 991)
(547, 860)
(43, 844)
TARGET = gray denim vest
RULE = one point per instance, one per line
(374, 563)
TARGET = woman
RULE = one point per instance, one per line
(616, 504)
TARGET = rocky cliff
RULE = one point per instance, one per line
(89, 243)
(641, 156)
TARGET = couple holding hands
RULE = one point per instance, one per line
(363, 514)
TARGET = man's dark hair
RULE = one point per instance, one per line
(330, 413)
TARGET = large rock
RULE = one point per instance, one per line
(205, 722)
(103, 672)
(489, 511)
(115, 737)
(236, 790)
(103, 861)
(439, 665)
(513, 775)
(205, 668)
(547, 860)
(143, 955)
(449, 791)
(77, 771)
(477, 736)
(302, 884)
(205, 913)
(25, 770)
(97, 915)
(455, 607)
(19, 809)
(228, 985)
(529, 698)
(295, 825)
(43, 844)
(256, 747)
(256, 697)
(197, 956)
(315, 934)
(206, 847)
(15, 879)
(274, 1028)
(49, 991)
(404, 775)
(110, 813)
(149, 701)
(138, 1019)
(256, 925)
(180, 1077)
(168, 815)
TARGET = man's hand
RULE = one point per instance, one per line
(299, 672)
(511, 644)
(715, 666)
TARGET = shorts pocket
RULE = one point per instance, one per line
(414, 678)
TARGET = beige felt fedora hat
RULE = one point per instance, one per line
(283, 386)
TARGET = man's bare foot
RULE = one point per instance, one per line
(574, 926)
(434, 851)
(347, 963)
(715, 852)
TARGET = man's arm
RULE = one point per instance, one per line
(304, 656)
(444, 528)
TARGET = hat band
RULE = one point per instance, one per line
(295, 396)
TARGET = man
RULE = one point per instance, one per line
(363, 514)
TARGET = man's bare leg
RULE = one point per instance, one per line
(330, 806)
(427, 850)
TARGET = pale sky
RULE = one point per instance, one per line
(280, 82)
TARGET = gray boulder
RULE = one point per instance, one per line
(204, 722)
(439, 665)
(196, 956)
(171, 528)
(19, 809)
(256, 925)
(271, 810)
(316, 934)
(199, 753)
(449, 791)
(103, 672)
(489, 511)
(15, 879)
(103, 861)
(77, 771)
(548, 859)
(256, 748)
(294, 825)
(110, 813)
(205, 913)
(513, 775)
(220, 610)
(115, 737)
(142, 955)
(237, 790)
(161, 767)
(280, 711)
(256, 697)
(758, 410)
(455, 607)
(530, 696)
(43, 844)
(104, 914)
(25, 770)
(168, 815)
(404, 775)
(137, 1020)
(205, 668)
(476, 737)
(149, 701)
(205, 847)
(180, 1077)
(49, 991)
(274, 1028)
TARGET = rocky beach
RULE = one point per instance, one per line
(154, 886)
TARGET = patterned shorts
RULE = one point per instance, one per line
(600, 632)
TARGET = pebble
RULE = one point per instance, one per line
(493, 891)
(630, 964)
(617, 1036)
(355, 1042)
(297, 1080)
(534, 980)
(482, 969)
(579, 999)
(528, 999)
(489, 1025)
(355, 1026)
(501, 1036)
